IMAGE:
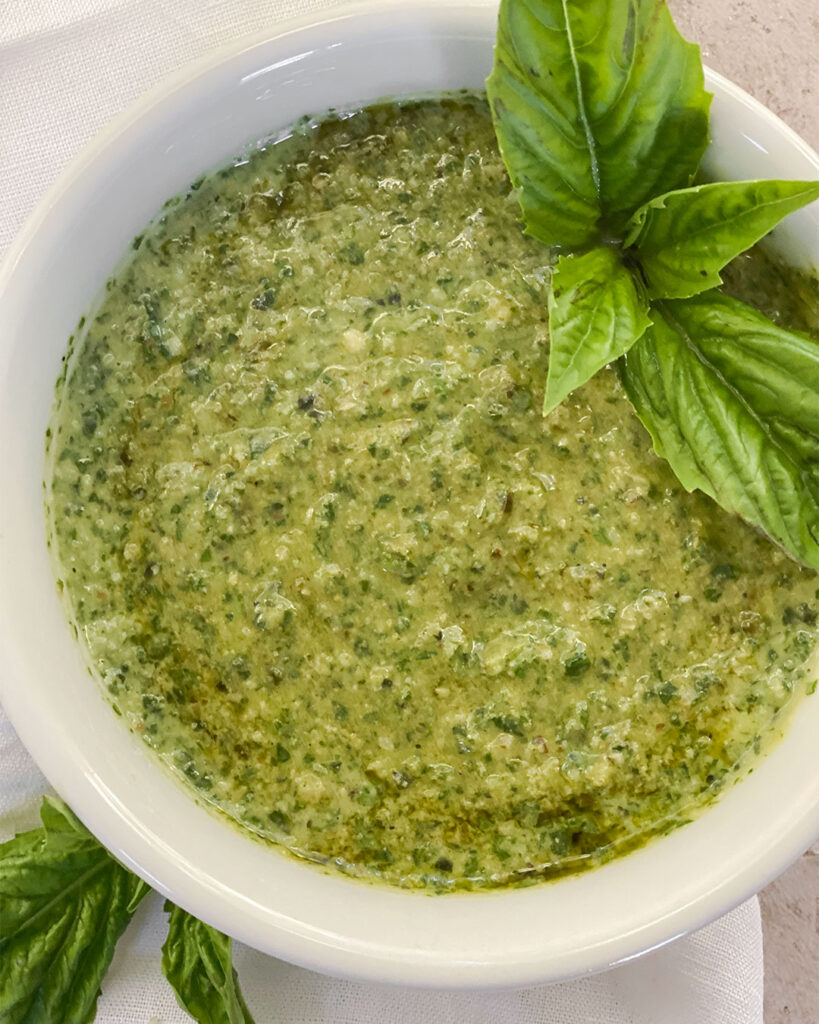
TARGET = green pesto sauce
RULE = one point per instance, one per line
(332, 563)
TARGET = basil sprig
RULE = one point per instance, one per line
(601, 117)
(198, 962)
(599, 106)
(64, 902)
(596, 309)
(730, 401)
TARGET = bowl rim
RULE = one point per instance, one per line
(110, 820)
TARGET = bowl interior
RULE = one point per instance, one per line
(61, 260)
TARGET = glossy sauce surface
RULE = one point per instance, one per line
(330, 560)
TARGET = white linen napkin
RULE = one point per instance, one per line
(66, 68)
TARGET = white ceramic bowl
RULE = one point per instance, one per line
(59, 263)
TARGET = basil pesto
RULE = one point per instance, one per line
(330, 560)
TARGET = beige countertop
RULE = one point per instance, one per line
(771, 49)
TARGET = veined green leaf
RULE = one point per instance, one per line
(198, 962)
(596, 313)
(598, 106)
(732, 402)
(684, 238)
(775, 370)
(64, 902)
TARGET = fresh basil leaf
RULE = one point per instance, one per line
(684, 238)
(596, 313)
(732, 402)
(198, 962)
(598, 106)
(64, 902)
(775, 370)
